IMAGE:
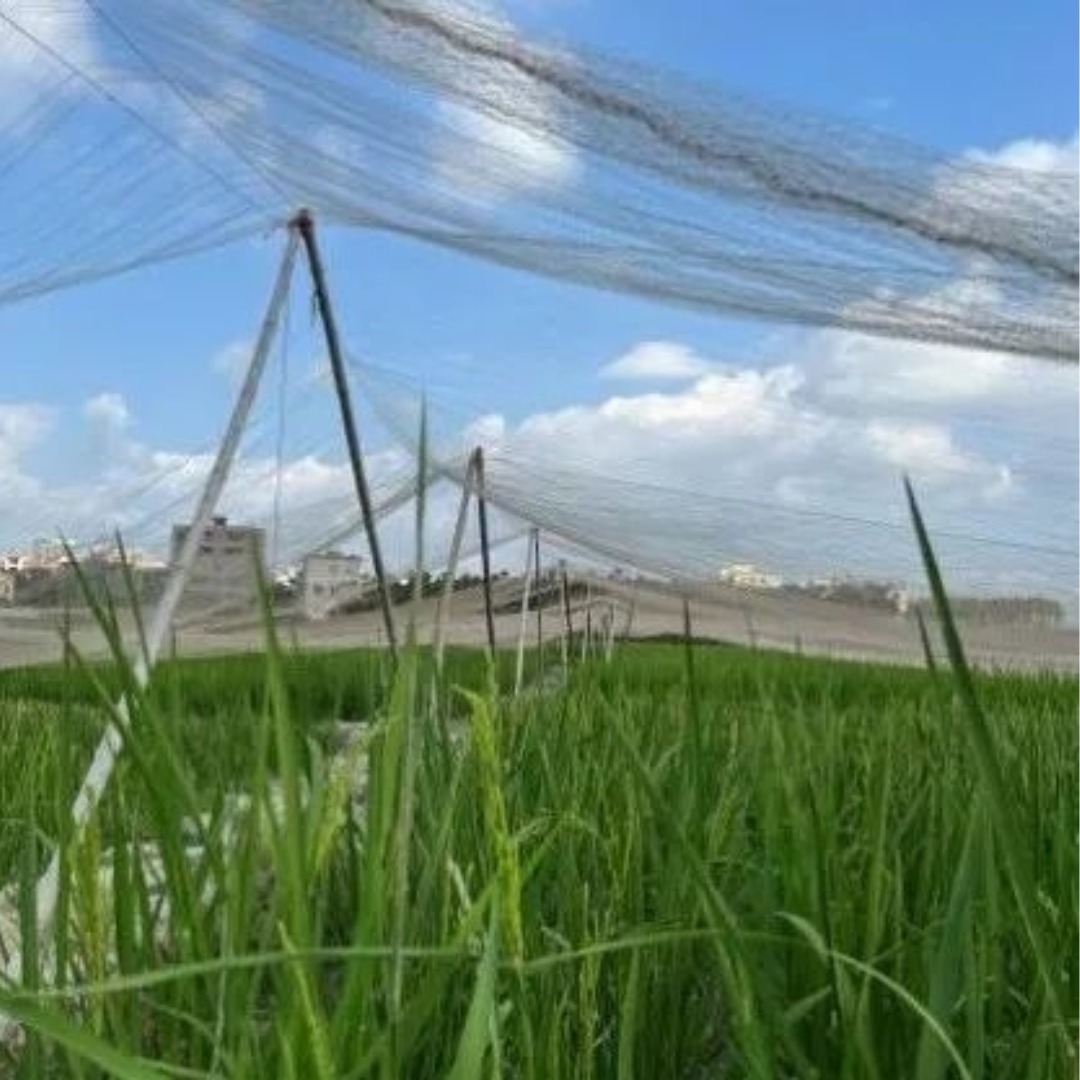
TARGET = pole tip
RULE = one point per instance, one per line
(302, 219)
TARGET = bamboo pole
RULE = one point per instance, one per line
(101, 766)
(568, 635)
(539, 598)
(304, 224)
(442, 608)
(485, 548)
(631, 611)
(519, 673)
(586, 641)
(751, 633)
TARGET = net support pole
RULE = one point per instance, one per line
(519, 672)
(568, 632)
(304, 224)
(105, 755)
(485, 548)
(539, 597)
(586, 641)
(442, 608)
(630, 612)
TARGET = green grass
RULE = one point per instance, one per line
(790, 868)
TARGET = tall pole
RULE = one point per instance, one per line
(304, 224)
(539, 600)
(105, 755)
(485, 548)
(630, 612)
(569, 633)
(519, 672)
(442, 609)
(586, 644)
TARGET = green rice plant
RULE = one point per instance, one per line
(688, 861)
(1000, 801)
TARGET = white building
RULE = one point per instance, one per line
(227, 569)
(901, 598)
(327, 580)
(748, 576)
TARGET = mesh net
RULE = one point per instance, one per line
(159, 127)
(132, 133)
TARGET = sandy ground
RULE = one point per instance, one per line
(816, 627)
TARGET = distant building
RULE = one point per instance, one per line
(227, 569)
(748, 576)
(329, 579)
(884, 596)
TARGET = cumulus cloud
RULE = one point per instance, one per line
(858, 372)
(1038, 155)
(925, 448)
(107, 410)
(825, 427)
(121, 482)
(22, 427)
(816, 431)
(659, 360)
(769, 433)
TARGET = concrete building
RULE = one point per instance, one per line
(748, 576)
(327, 580)
(227, 569)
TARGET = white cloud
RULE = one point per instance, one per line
(107, 411)
(124, 484)
(767, 433)
(657, 360)
(484, 430)
(927, 449)
(487, 159)
(883, 375)
(486, 156)
(1037, 155)
(812, 450)
(824, 433)
(22, 427)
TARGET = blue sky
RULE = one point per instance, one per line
(954, 76)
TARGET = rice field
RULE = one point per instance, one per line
(685, 862)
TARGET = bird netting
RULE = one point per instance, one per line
(133, 132)
(146, 129)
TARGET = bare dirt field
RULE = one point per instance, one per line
(720, 613)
